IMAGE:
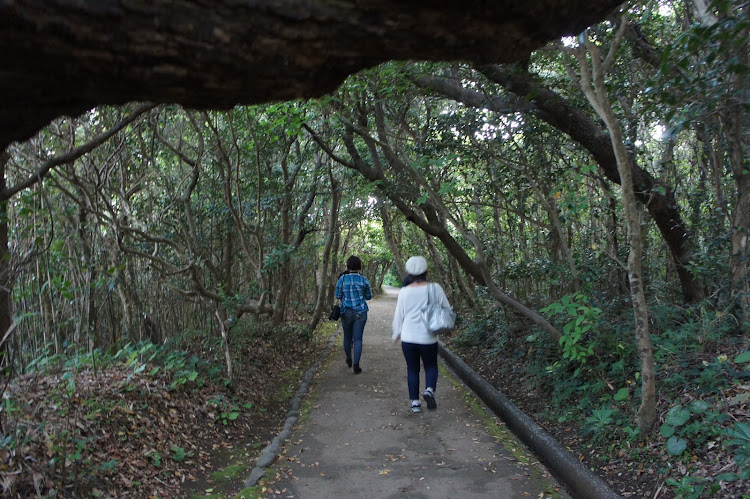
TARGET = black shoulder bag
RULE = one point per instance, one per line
(335, 312)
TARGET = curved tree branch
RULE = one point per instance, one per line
(74, 154)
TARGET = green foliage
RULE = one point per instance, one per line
(108, 466)
(710, 58)
(676, 445)
(392, 278)
(688, 487)
(227, 411)
(70, 383)
(690, 426)
(155, 457)
(277, 257)
(743, 358)
(182, 367)
(681, 336)
(257, 164)
(179, 454)
(622, 395)
(601, 418)
(576, 343)
(229, 416)
(739, 439)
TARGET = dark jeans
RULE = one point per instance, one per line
(429, 355)
(353, 324)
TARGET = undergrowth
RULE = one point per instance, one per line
(589, 384)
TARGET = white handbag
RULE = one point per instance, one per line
(438, 320)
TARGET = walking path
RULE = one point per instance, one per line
(360, 438)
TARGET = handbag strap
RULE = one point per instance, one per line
(430, 300)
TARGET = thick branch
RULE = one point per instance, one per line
(62, 57)
(454, 90)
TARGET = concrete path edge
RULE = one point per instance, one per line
(272, 450)
(578, 479)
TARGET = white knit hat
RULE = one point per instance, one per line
(416, 265)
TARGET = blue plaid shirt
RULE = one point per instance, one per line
(353, 289)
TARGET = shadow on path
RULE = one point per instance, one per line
(360, 438)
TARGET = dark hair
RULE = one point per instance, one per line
(410, 279)
(354, 263)
(418, 278)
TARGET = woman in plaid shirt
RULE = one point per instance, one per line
(353, 289)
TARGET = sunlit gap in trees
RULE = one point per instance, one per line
(370, 231)
(368, 205)
(489, 130)
(666, 9)
(569, 41)
(658, 132)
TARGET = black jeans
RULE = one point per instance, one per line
(413, 352)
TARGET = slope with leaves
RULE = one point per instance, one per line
(147, 420)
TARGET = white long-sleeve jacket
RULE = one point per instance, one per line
(407, 321)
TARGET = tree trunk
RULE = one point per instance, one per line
(123, 291)
(465, 290)
(710, 159)
(334, 268)
(739, 280)
(597, 97)
(738, 139)
(90, 305)
(390, 239)
(45, 299)
(439, 274)
(323, 277)
(221, 316)
(553, 212)
(386, 267)
(285, 278)
(6, 277)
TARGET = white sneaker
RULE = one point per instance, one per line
(416, 406)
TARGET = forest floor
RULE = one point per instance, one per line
(120, 432)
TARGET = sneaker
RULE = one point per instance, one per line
(357, 369)
(416, 406)
(429, 397)
(349, 362)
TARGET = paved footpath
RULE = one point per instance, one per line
(361, 440)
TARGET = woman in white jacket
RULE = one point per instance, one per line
(417, 342)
